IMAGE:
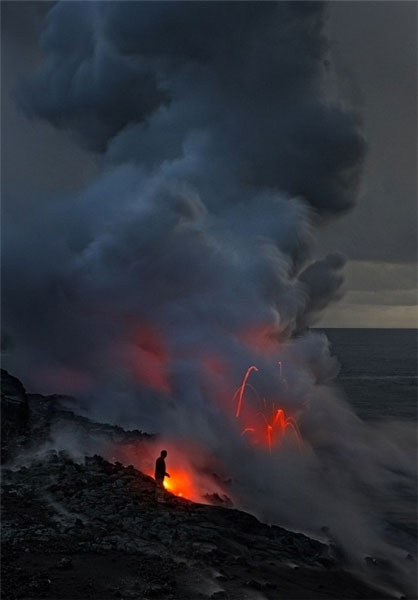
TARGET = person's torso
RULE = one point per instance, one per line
(159, 468)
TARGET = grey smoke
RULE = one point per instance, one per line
(322, 280)
(148, 80)
(220, 153)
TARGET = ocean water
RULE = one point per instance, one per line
(378, 371)
(379, 377)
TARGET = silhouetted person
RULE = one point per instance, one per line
(159, 475)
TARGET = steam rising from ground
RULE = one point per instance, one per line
(188, 260)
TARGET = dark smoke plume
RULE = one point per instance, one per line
(238, 83)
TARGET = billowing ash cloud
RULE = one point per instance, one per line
(188, 260)
(210, 118)
(234, 85)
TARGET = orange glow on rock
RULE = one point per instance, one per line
(190, 465)
(180, 483)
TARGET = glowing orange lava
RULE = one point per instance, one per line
(240, 391)
(264, 423)
(181, 484)
(190, 465)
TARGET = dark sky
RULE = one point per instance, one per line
(373, 51)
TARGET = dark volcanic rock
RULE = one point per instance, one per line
(14, 415)
(94, 530)
(64, 563)
(30, 421)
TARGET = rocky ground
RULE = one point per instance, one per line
(87, 528)
(94, 530)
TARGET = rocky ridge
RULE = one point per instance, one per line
(59, 515)
(86, 528)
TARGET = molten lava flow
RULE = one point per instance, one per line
(248, 429)
(265, 423)
(190, 465)
(278, 426)
(272, 431)
(195, 473)
(181, 484)
(240, 391)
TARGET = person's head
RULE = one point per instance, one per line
(163, 453)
